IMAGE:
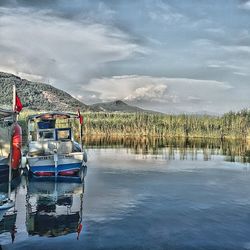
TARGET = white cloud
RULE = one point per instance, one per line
(225, 65)
(216, 31)
(163, 92)
(233, 48)
(204, 43)
(229, 58)
(240, 73)
(245, 5)
(49, 47)
(163, 12)
(128, 87)
(236, 48)
(150, 92)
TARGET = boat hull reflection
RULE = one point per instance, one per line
(54, 205)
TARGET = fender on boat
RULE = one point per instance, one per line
(16, 141)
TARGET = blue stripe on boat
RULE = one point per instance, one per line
(60, 168)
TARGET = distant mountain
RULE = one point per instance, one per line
(44, 97)
(116, 106)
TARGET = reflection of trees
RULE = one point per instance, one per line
(233, 150)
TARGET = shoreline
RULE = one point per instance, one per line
(119, 135)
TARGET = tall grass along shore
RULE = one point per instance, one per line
(232, 125)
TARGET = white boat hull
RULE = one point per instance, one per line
(67, 164)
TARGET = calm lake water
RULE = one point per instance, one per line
(138, 194)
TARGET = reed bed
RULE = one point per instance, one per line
(230, 125)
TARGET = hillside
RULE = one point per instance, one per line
(37, 96)
(44, 97)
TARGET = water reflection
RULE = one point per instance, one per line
(8, 215)
(232, 150)
(134, 203)
(48, 207)
(8, 223)
(54, 207)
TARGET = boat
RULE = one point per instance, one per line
(10, 140)
(5, 203)
(52, 147)
(10, 145)
(10, 149)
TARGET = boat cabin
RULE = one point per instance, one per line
(5, 121)
(51, 126)
(52, 131)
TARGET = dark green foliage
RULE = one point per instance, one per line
(37, 96)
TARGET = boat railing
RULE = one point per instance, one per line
(37, 148)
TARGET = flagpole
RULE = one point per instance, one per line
(80, 124)
(81, 135)
(11, 147)
(14, 103)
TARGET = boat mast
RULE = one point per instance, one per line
(11, 148)
(14, 104)
(81, 134)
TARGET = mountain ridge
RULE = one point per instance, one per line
(44, 97)
(37, 96)
(117, 105)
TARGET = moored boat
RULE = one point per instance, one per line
(10, 148)
(52, 148)
(10, 141)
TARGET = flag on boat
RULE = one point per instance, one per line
(79, 229)
(80, 117)
(19, 105)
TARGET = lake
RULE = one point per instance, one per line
(138, 194)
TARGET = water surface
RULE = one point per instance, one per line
(144, 195)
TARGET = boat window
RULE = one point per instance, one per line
(63, 134)
(46, 135)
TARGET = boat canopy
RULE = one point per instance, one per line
(52, 116)
(5, 113)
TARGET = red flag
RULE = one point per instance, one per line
(19, 105)
(79, 229)
(80, 117)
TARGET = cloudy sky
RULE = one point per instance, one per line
(167, 55)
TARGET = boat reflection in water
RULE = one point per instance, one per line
(54, 206)
(8, 223)
(8, 211)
